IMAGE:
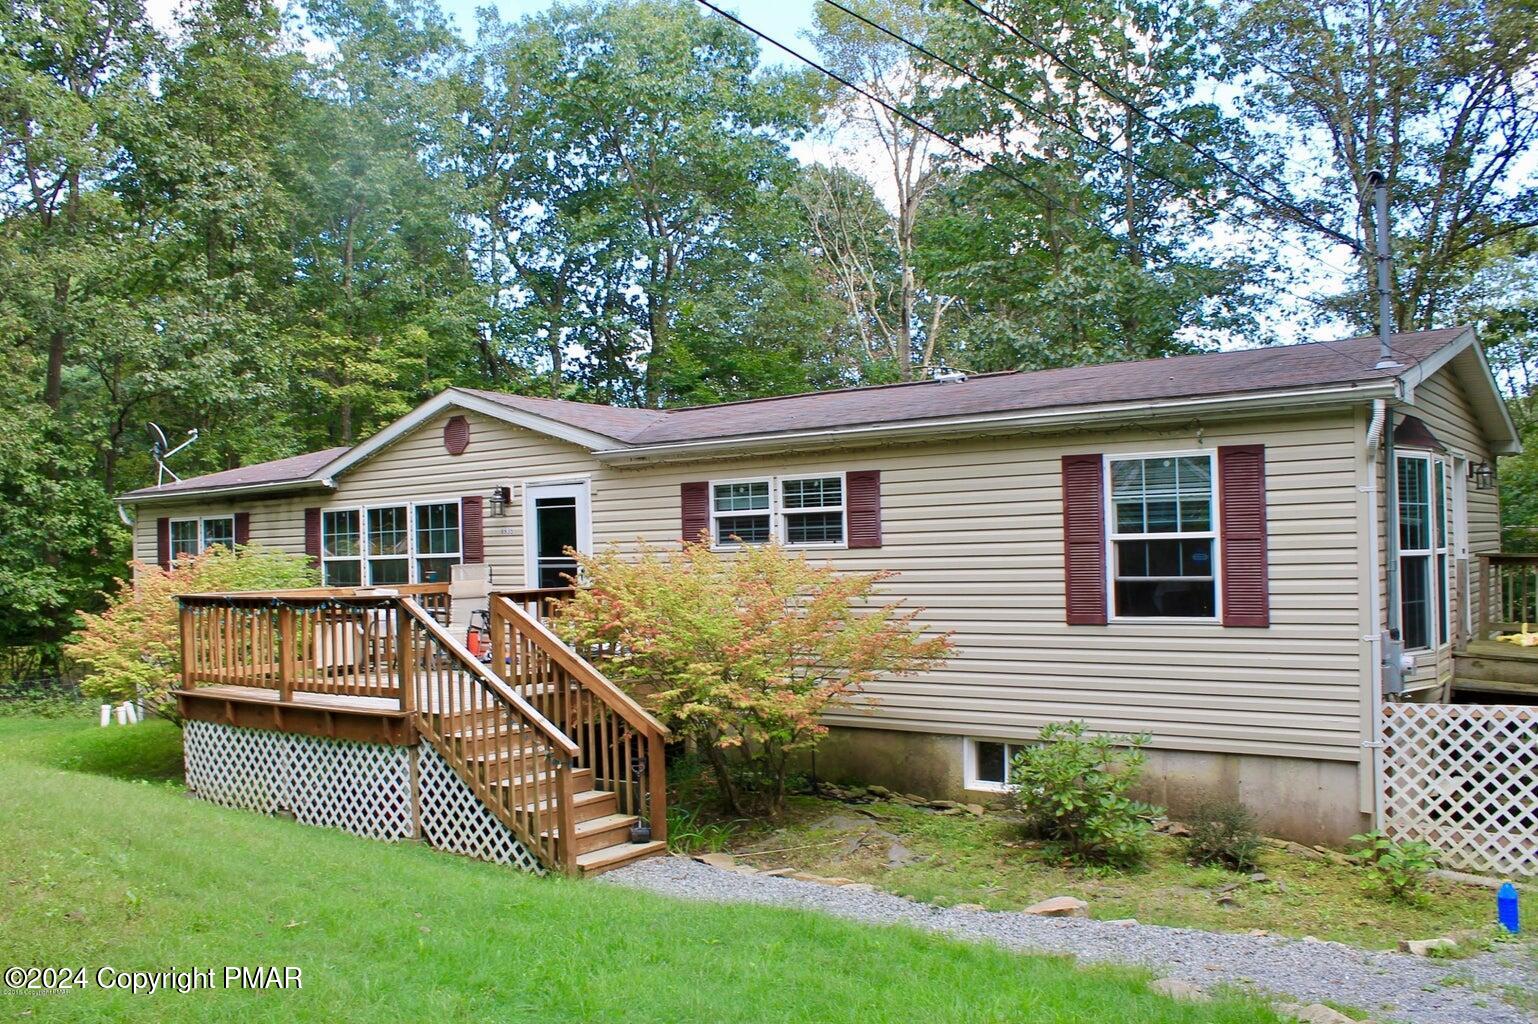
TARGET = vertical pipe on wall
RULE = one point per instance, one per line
(1374, 741)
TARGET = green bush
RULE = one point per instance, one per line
(1395, 868)
(1223, 832)
(1072, 790)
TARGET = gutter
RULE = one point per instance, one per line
(1002, 422)
(166, 497)
(1374, 745)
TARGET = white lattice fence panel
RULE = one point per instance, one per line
(1464, 778)
(362, 788)
(454, 819)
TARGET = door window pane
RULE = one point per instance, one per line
(555, 523)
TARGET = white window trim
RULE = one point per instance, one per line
(1440, 616)
(413, 570)
(202, 522)
(969, 765)
(1112, 536)
(776, 511)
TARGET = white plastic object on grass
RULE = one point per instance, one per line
(106, 715)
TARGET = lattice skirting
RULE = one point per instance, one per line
(363, 788)
(454, 819)
(1464, 778)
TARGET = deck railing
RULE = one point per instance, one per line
(515, 733)
(1508, 594)
(335, 640)
(618, 739)
(517, 762)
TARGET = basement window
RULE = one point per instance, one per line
(988, 763)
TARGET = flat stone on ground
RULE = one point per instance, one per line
(1181, 991)
(1059, 906)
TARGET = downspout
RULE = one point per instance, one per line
(1373, 743)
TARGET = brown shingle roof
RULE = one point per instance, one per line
(1278, 368)
(1251, 370)
(279, 471)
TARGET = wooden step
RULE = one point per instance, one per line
(598, 833)
(611, 857)
(1502, 686)
(586, 805)
(581, 779)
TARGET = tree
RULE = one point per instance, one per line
(878, 267)
(132, 650)
(1436, 93)
(742, 654)
(626, 153)
(1098, 251)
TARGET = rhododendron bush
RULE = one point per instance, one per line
(133, 649)
(742, 652)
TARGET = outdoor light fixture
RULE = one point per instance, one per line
(1481, 476)
(501, 498)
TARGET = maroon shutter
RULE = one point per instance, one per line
(163, 542)
(242, 529)
(1242, 519)
(472, 524)
(1084, 539)
(694, 505)
(312, 535)
(864, 504)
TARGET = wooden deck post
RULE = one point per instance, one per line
(188, 647)
(657, 782)
(288, 652)
(405, 657)
(1483, 619)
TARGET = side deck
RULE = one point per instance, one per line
(537, 740)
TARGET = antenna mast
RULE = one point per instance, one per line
(1379, 182)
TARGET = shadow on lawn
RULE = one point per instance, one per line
(150, 751)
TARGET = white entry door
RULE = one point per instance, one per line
(556, 518)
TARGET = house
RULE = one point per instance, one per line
(1197, 547)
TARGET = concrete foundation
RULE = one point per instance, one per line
(1303, 800)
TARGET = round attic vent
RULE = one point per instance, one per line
(456, 435)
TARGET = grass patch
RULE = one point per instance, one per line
(102, 870)
(950, 859)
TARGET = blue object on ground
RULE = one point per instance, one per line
(1506, 908)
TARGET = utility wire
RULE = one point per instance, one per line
(963, 149)
(1045, 194)
(1196, 147)
(1127, 158)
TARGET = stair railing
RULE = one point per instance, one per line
(514, 758)
(619, 740)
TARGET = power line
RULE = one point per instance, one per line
(959, 147)
(1044, 194)
(1302, 216)
(1069, 127)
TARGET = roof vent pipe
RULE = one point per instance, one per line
(1379, 182)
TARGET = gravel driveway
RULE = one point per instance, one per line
(1389, 985)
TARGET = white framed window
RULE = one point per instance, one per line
(191, 537)
(1162, 536)
(437, 541)
(987, 764)
(387, 545)
(798, 511)
(341, 548)
(1423, 500)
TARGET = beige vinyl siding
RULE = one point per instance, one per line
(275, 522)
(1442, 403)
(974, 529)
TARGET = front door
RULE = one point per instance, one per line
(555, 521)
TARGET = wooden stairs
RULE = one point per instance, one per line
(602, 833)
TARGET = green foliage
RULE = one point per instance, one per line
(1396, 868)
(1072, 789)
(742, 653)
(690, 832)
(1224, 832)
(132, 650)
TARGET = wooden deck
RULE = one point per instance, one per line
(1495, 672)
(566, 761)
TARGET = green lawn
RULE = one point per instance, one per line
(105, 861)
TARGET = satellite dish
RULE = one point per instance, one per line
(161, 450)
